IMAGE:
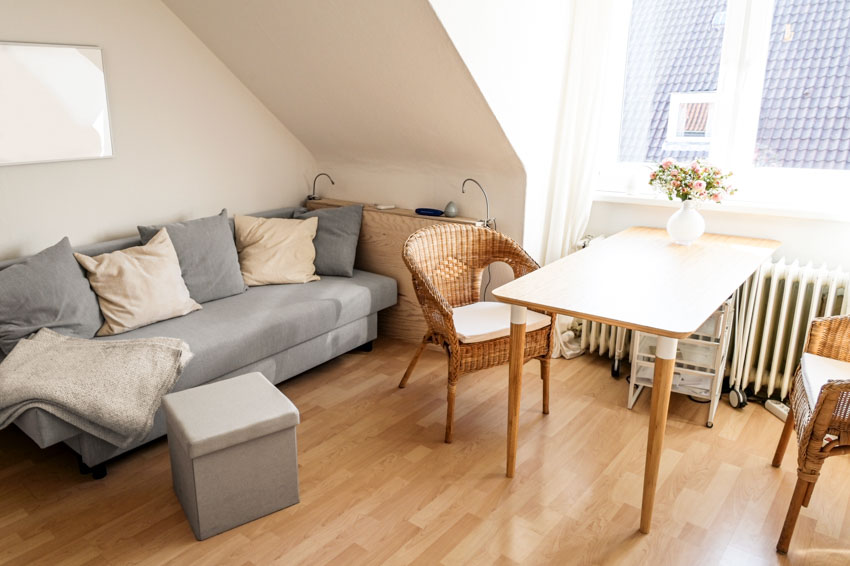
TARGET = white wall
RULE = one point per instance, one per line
(189, 138)
(516, 51)
(818, 241)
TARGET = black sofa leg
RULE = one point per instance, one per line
(367, 347)
(97, 472)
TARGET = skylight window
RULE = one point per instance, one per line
(690, 120)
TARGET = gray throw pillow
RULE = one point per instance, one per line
(207, 254)
(336, 238)
(47, 290)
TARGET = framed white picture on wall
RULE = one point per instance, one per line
(53, 104)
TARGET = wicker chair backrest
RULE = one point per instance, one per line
(450, 258)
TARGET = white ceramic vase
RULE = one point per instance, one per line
(686, 224)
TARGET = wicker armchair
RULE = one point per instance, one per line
(446, 262)
(823, 427)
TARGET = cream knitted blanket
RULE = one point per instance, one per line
(110, 389)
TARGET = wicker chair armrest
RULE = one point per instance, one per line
(801, 411)
(521, 263)
(831, 416)
(839, 423)
(437, 311)
(830, 337)
(553, 328)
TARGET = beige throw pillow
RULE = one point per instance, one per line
(276, 250)
(138, 286)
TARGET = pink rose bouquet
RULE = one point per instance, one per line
(695, 181)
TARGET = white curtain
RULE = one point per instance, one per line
(583, 110)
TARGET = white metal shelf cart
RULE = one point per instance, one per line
(700, 360)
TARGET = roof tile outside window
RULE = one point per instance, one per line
(805, 113)
(673, 46)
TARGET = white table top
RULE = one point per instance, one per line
(639, 279)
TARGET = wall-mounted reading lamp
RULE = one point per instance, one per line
(488, 222)
(314, 196)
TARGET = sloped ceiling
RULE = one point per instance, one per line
(357, 81)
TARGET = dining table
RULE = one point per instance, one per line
(637, 279)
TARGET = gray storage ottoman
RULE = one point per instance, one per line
(233, 452)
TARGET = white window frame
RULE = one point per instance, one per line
(812, 193)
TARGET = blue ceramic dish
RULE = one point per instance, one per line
(429, 212)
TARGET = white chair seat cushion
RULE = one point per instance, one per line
(817, 371)
(488, 320)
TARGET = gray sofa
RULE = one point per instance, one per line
(279, 330)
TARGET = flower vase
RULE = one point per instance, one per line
(686, 225)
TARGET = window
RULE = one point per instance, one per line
(803, 121)
(673, 59)
(758, 87)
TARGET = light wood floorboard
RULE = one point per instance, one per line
(378, 485)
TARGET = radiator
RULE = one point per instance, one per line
(602, 339)
(774, 311)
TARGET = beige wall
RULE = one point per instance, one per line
(189, 138)
(377, 91)
(417, 185)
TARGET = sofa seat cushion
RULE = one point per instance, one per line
(233, 332)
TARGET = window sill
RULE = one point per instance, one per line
(732, 206)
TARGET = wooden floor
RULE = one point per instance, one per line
(379, 486)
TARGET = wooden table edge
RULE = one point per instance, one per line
(594, 318)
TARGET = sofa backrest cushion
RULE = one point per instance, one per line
(276, 250)
(138, 286)
(130, 241)
(99, 248)
(207, 255)
(288, 212)
(336, 238)
(46, 290)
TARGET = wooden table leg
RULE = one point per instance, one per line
(665, 360)
(517, 355)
